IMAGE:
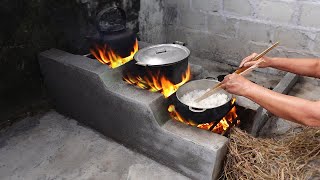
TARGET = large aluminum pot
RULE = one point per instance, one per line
(202, 115)
(170, 60)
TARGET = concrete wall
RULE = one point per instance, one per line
(152, 23)
(229, 30)
(29, 27)
(131, 8)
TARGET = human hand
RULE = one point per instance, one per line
(248, 61)
(236, 84)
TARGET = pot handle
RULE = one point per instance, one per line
(180, 43)
(141, 63)
(195, 110)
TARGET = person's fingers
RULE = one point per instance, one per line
(252, 63)
(224, 80)
(226, 86)
(247, 59)
(223, 86)
(249, 64)
(227, 78)
(232, 75)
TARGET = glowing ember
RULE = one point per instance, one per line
(157, 82)
(105, 55)
(220, 128)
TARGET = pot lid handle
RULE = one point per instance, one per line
(159, 51)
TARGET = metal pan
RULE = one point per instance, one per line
(198, 114)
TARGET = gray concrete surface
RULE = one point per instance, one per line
(262, 116)
(97, 96)
(152, 171)
(52, 146)
(306, 88)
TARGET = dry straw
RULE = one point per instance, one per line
(294, 155)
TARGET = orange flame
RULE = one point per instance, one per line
(105, 55)
(220, 128)
(174, 114)
(157, 82)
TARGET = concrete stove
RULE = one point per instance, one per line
(96, 95)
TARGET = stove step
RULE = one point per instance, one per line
(211, 146)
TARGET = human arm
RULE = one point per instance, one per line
(288, 107)
(303, 66)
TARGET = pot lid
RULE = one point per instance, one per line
(161, 54)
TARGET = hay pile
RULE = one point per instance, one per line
(295, 155)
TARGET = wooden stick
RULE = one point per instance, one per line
(239, 71)
(258, 57)
(218, 86)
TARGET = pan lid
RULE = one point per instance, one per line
(161, 54)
